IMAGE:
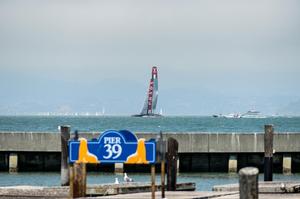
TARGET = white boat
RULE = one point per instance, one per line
(253, 114)
(232, 115)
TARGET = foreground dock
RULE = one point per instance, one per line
(169, 195)
(200, 195)
(267, 190)
(92, 190)
(175, 195)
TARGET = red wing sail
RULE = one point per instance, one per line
(151, 99)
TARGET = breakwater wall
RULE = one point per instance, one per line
(198, 152)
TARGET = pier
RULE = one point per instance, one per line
(198, 151)
(267, 190)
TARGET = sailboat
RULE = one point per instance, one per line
(149, 107)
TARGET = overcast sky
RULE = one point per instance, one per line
(212, 56)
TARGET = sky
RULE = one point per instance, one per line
(212, 56)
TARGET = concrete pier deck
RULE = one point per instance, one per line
(27, 192)
(92, 190)
(189, 142)
(173, 194)
(198, 151)
(199, 195)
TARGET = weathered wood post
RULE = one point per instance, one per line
(172, 156)
(153, 189)
(248, 179)
(163, 179)
(268, 160)
(161, 157)
(64, 171)
(71, 178)
(78, 180)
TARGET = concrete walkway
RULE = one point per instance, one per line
(171, 194)
(198, 195)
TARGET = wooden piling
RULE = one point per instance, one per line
(78, 180)
(161, 157)
(268, 160)
(172, 156)
(248, 180)
(153, 181)
(64, 171)
(163, 179)
(71, 178)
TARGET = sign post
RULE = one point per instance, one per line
(161, 157)
(153, 181)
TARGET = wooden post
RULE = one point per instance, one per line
(153, 181)
(78, 180)
(268, 160)
(163, 179)
(71, 171)
(172, 157)
(248, 179)
(161, 157)
(64, 170)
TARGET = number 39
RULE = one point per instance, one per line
(113, 151)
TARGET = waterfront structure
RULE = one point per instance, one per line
(198, 152)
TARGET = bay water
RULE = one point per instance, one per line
(179, 124)
(139, 124)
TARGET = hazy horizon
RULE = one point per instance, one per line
(213, 57)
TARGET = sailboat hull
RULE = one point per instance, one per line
(147, 115)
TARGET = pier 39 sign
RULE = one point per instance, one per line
(113, 147)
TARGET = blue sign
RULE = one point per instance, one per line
(113, 147)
